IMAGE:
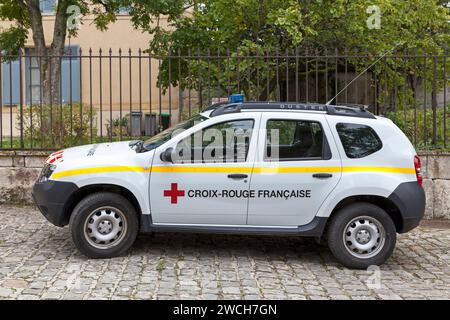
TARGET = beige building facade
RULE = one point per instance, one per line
(112, 74)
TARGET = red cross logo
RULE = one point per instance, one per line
(174, 193)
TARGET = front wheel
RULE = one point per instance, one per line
(104, 225)
(361, 235)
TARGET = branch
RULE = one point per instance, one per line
(22, 4)
(105, 5)
(32, 6)
(60, 28)
(188, 7)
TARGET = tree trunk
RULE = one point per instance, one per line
(51, 79)
(50, 58)
(52, 71)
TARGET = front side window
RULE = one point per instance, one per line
(358, 140)
(294, 140)
(172, 132)
(222, 142)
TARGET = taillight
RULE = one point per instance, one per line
(418, 173)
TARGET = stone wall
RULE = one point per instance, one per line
(19, 170)
(436, 173)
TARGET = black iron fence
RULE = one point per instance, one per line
(98, 96)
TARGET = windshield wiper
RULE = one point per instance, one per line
(137, 146)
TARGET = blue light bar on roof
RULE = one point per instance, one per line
(236, 98)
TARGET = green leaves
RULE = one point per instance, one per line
(259, 27)
(12, 40)
(12, 10)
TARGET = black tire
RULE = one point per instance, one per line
(337, 227)
(97, 201)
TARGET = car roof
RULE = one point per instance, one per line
(335, 110)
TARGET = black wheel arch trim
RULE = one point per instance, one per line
(57, 199)
(52, 198)
(409, 197)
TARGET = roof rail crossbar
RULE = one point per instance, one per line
(215, 105)
(336, 110)
(349, 111)
(226, 108)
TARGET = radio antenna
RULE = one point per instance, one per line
(364, 71)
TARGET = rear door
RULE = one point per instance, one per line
(296, 168)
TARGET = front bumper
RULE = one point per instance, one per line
(409, 198)
(52, 198)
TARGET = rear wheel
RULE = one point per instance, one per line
(360, 235)
(104, 225)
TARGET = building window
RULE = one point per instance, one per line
(32, 78)
(47, 6)
(70, 76)
(124, 11)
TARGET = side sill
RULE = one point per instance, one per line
(313, 229)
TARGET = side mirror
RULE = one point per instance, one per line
(166, 155)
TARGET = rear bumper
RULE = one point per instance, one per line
(51, 197)
(409, 198)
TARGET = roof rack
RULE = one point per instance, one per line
(353, 105)
(215, 105)
(339, 110)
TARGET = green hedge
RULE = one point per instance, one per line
(420, 122)
(57, 127)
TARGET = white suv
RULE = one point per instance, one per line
(254, 168)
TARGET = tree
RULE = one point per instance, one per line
(258, 27)
(25, 17)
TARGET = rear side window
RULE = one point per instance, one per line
(358, 140)
(295, 140)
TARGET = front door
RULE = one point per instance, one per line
(209, 179)
(297, 167)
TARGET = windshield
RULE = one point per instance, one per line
(171, 132)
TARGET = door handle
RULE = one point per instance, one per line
(322, 175)
(237, 176)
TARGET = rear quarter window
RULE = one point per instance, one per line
(358, 140)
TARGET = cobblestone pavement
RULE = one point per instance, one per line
(39, 261)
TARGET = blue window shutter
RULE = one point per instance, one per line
(11, 80)
(66, 64)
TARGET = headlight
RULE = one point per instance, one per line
(46, 172)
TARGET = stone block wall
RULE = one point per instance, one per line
(19, 170)
(436, 174)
